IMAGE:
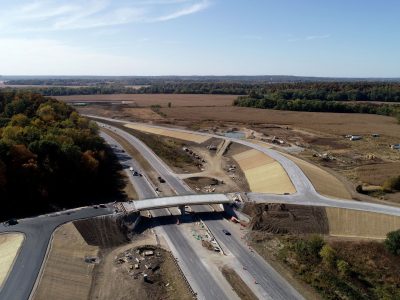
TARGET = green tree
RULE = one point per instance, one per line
(46, 113)
(328, 255)
(392, 242)
(19, 120)
(343, 267)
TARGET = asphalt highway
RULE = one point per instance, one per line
(195, 271)
(273, 285)
(305, 192)
(38, 232)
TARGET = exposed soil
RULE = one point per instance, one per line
(319, 133)
(134, 275)
(104, 232)
(286, 218)
(328, 123)
(10, 244)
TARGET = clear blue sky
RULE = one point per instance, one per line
(350, 38)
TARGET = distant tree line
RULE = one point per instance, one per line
(265, 102)
(324, 91)
(50, 157)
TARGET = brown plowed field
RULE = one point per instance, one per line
(332, 123)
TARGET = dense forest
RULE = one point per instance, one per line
(304, 90)
(51, 157)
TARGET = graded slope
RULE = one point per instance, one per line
(264, 174)
(66, 274)
(9, 246)
(191, 137)
(323, 182)
(360, 224)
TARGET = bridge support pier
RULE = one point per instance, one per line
(182, 209)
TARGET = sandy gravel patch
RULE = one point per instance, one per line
(9, 247)
(264, 174)
(191, 137)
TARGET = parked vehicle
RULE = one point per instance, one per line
(11, 222)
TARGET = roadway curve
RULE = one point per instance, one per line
(38, 232)
(305, 192)
(272, 284)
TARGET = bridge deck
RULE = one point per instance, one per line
(164, 202)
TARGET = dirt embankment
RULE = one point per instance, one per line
(104, 232)
(80, 265)
(284, 218)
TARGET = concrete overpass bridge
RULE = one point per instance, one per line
(175, 201)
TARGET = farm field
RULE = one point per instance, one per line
(369, 161)
(9, 247)
(328, 123)
(156, 99)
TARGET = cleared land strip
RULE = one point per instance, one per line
(355, 223)
(66, 274)
(9, 247)
(263, 173)
(191, 137)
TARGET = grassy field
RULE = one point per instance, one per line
(9, 247)
(238, 285)
(156, 99)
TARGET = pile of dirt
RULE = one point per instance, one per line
(282, 218)
(104, 231)
(201, 181)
